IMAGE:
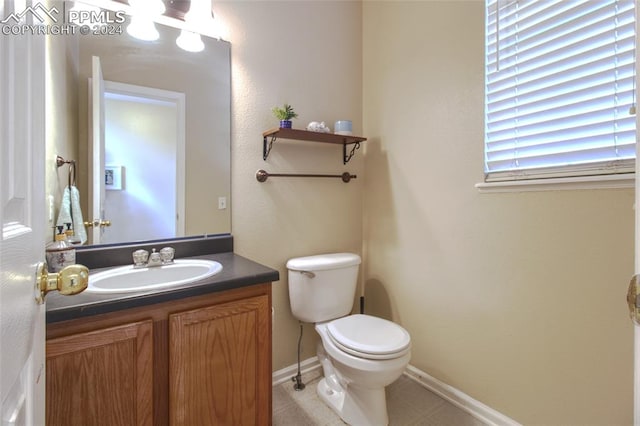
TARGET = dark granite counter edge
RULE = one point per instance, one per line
(237, 272)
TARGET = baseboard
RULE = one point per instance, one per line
(460, 399)
(456, 397)
(285, 374)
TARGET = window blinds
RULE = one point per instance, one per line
(560, 87)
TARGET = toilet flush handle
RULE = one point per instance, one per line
(308, 274)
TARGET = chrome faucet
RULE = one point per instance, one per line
(142, 259)
(154, 259)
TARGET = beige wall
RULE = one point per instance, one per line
(516, 299)
(309, 55)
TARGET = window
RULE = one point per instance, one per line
(560, 88)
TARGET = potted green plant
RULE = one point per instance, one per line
(284, 114)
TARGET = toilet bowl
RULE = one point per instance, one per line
(354, 380)
(360, 354)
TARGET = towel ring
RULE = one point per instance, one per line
(72, 168)
(71, 180)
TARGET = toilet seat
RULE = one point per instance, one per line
(369, 337)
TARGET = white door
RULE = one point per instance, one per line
(634, 290)
(96, 152)
(22, 320)
(633, 286)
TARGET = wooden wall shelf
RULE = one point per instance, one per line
(306, 135)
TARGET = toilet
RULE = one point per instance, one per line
(360, 354)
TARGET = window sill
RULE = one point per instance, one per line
(560, 184)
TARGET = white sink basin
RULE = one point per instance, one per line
(128, 279)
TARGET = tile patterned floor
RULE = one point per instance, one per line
(409, 404)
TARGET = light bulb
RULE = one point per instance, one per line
(199, 18)
(142, 28)
(190, 41)
(199, 12)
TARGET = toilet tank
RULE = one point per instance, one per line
(322, 287)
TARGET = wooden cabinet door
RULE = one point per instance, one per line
(102, 377)
(220, 364)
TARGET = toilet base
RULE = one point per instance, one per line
(358, 407)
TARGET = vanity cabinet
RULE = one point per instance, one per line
(203, 360)
(102, 376)
(216, 363)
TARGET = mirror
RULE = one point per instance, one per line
(205, 80)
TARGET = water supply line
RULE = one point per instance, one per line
(297, 379)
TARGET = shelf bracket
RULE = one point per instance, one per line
(270, 136)
(266, 147)
(346, 157)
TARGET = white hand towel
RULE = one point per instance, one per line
(70, 212)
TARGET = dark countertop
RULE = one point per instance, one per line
(237, 272)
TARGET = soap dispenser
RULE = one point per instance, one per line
(60, 253)
(71, 238)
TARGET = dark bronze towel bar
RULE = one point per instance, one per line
(262, 176)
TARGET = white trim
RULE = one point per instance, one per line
(458, 398)
(285, 374)
(558, 184)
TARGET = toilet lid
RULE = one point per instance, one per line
(369, 337)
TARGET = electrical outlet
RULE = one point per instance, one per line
(222, 203)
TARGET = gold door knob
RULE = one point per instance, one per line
(98, 222)
(70, 280)
(633, 299)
